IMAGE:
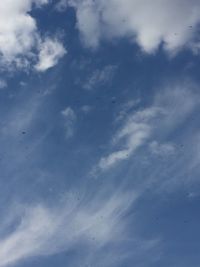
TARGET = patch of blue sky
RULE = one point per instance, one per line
(99, 134)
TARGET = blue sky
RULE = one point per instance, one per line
(99, 133)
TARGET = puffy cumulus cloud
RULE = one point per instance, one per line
(18, 32)
(149, 125)
(168, 22)
(39, 230)
(50, 51)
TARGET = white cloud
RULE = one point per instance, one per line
(19, 35)
(135, 132)
(136, 20)
(88, 21)
(70, 118)
(113, 158)
(50, 51)
(168, 111)
(40, 230)
(17, 28)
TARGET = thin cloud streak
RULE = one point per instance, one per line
(40, 230)
(144, 126)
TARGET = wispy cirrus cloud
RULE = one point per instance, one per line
(40, 230)
(100, 77)
(136, 131)
(149, 125)
(162, 149)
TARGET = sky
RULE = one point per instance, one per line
(99, 133)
